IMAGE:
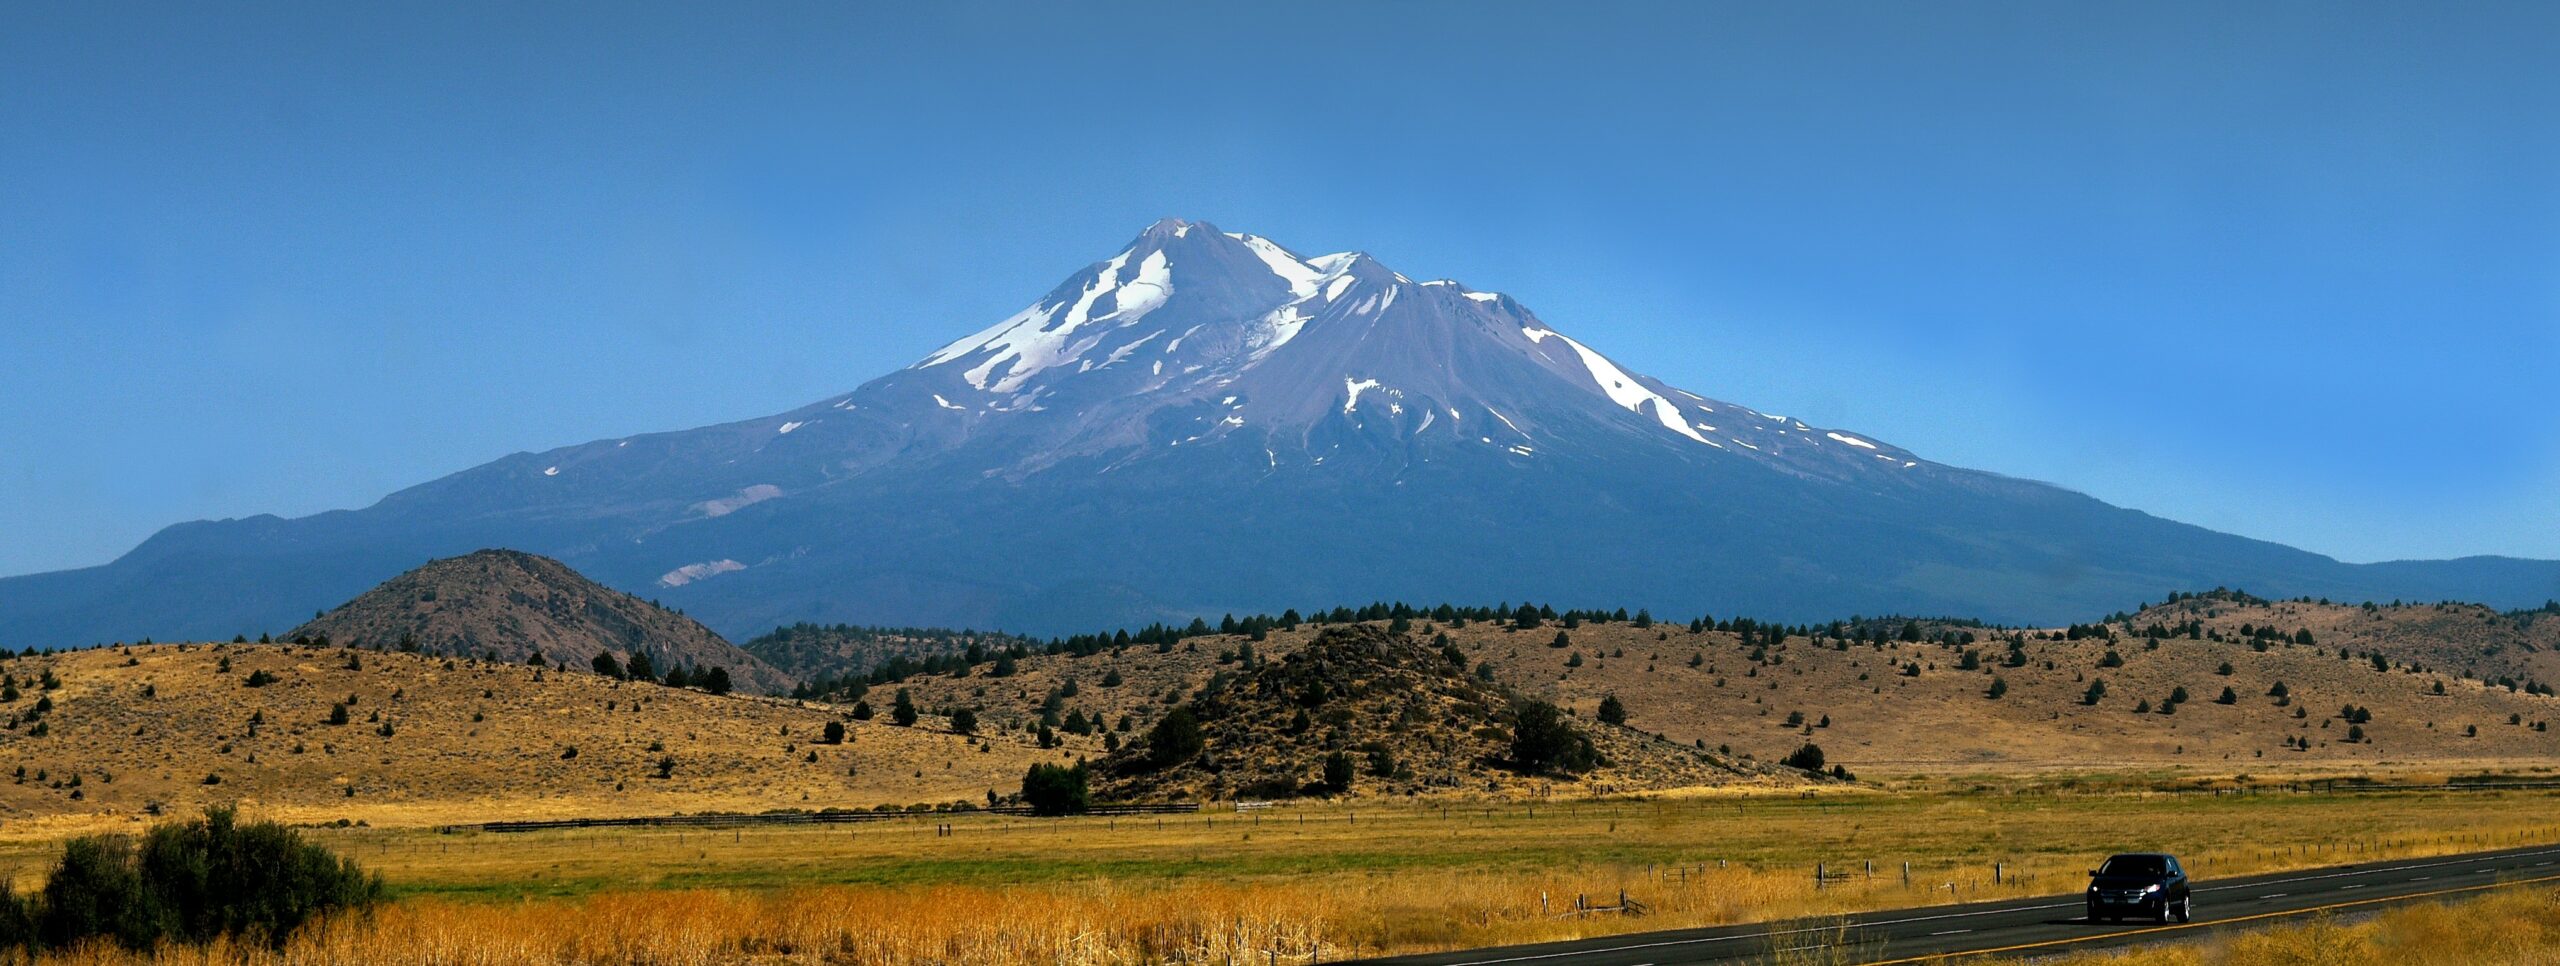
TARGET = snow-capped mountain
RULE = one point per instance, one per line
(1209, 421)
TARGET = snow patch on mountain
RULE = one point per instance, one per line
(744, 498)
(1301, 276)
(1352, 388)
(1622, 388)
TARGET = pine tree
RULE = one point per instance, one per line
(1337, 773)
(1612, 711)
(904, 710)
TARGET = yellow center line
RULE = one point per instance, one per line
(2198, 925)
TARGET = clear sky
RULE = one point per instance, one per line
(2288, 270)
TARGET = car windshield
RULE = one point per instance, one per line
(2135, 865)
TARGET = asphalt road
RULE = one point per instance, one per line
(2041, 926)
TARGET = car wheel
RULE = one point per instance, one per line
(2187, 909)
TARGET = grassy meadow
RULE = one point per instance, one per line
(1329, 881)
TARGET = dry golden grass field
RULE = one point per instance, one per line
(1337, 879)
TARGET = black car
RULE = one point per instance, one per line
(2148, 884)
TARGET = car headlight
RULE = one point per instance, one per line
(2149, 889)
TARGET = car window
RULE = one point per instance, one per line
(2135, 865)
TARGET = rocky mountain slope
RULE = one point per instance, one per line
(1203, 422)
(508, 606)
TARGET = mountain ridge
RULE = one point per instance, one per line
(1206, 422)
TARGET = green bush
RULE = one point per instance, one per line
(188, 882)
(1056, 789)
(1175, 739)
(1612, 710)
(1337, 773)
(1809, 758)
(1542, 741)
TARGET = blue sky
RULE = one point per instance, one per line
(2288, 270)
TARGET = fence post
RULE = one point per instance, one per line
(1817, 876)
(1995, 873)
(1906, 873)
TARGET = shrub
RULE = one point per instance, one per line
(1337, 773)
(1612, 710)
(835, 733)
(1542, 740)
(258, 679)
(963, 721)
(1056, 789)
(194, 881)
(1809, 758)
(1175, 739)
(1382, 760)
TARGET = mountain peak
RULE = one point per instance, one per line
(1243, 337)
(1165, 228)
(1205, 421)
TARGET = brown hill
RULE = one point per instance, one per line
(509, 606)
(2465, 639)
(1407, 720)
(434, 739)
(1865, 709)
